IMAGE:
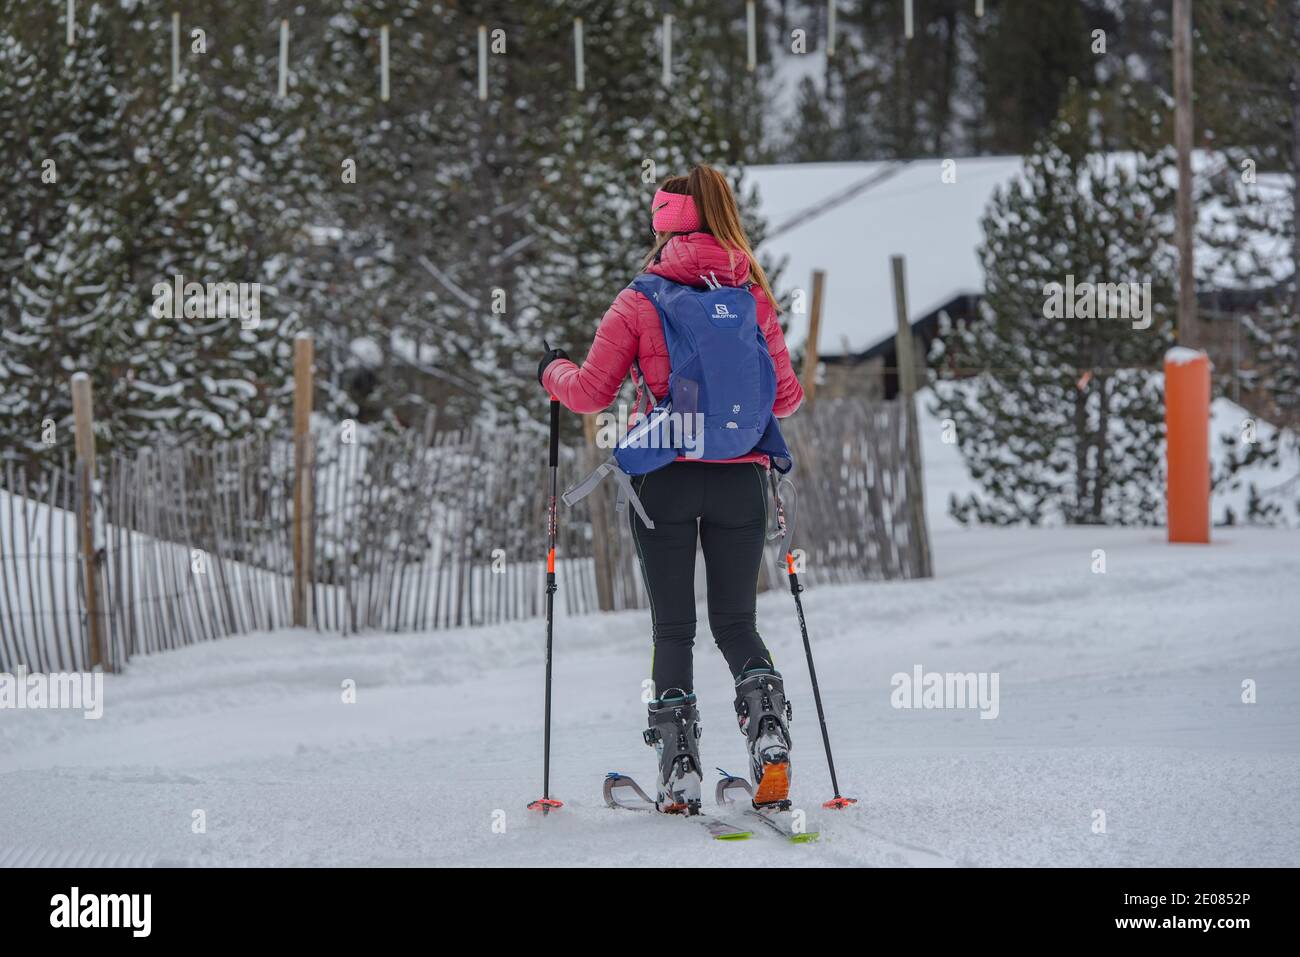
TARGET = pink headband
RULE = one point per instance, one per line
(674, 213)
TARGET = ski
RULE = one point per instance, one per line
(624, 793)
(774, 817)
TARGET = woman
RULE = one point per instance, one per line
(723, 504)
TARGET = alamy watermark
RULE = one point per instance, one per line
(131, 912)
(65, 691)
(1098, 300)
(659, 429)
(213, 300)
(946, 689)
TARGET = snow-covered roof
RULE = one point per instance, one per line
(850, 218)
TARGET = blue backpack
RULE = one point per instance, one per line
(720, 391)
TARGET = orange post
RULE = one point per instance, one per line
(1187, 445)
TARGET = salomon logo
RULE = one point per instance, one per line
(720, 311)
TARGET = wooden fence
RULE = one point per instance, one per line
(423, 530)
(42, 594)
(853, 517)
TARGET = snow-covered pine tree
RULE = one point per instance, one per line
(406, 306)
(319, 165)
(600, 168)
(1248, 86)
(143, 192)
(813, 128)
(961, 85)
(288, 161)
(1064, 420)
(66, 305)
(188, 211)
(62, 296)
(487, 225)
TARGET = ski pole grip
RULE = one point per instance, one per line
(555, 433)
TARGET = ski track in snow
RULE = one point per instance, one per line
(1119, 692)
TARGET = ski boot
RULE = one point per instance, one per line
(674, 733)
(764, 716)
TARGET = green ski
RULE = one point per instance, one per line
(623, 792)
(776, 817)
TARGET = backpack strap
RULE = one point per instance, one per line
(626, 493)
(652, 287)
(656, 288)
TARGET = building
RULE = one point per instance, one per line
(848, 219)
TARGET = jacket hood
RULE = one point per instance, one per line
(690, 256)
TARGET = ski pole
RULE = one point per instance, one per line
(545, 803)
(836, 803)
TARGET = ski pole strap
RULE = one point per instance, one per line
(779, 530)
(784, 526)
(626, 493)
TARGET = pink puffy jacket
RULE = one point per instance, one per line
(631, 330)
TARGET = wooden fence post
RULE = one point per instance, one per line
(914, 473)
(303, 497)
(83, 415)
(811, 354)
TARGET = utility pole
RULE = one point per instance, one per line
(1186, 328)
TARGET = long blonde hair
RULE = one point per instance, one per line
(719, 216)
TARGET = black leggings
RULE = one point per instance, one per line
(724, 506)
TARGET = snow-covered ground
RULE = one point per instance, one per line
(1119, 692)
